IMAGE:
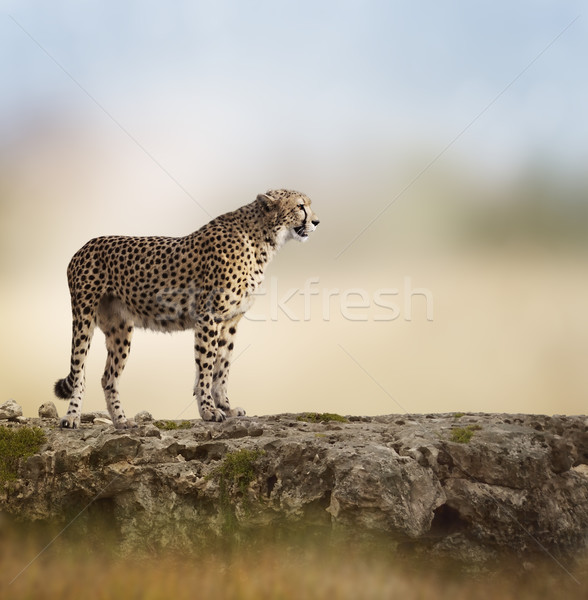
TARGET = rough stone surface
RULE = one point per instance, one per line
(98, 414)
(143, 417)
(10, 410)
(519, 486)
(48, 410)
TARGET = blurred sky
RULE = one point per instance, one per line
(149, 118)
(313, 75)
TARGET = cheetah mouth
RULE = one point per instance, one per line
(301, 231)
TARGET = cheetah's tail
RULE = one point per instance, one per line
(63, 389)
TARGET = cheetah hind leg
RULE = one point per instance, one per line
(118, 333)
(72, 387)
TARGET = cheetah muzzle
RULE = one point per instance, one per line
(204, 281)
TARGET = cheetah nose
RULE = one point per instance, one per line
(316, 222)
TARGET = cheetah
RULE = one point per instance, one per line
(204, 281)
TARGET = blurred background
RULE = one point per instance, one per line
(444, 146)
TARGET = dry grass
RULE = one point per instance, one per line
(272, 571)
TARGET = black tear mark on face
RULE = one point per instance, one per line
(305, 215)
(301, 231)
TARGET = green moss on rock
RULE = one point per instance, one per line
(234, 474)
(16, 444)
(321, 418)
(171, 425)
(463, 435)
(237, 470)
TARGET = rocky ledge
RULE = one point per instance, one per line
(467, 486)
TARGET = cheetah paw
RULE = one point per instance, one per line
(213, 414)
(236, 412)
(70, 422)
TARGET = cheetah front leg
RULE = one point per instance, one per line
(222, 364)
(206, 350)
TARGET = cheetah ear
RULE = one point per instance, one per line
(266, 201)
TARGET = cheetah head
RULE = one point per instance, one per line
(291, 213)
